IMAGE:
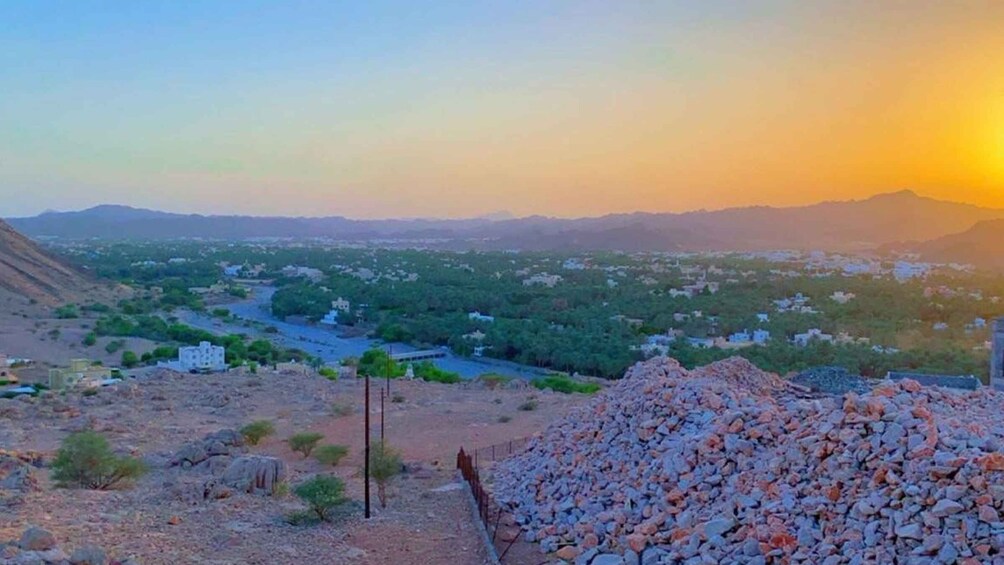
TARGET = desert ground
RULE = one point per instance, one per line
(167, 516)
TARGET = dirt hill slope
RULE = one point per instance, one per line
(28, 271)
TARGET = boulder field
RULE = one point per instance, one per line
(728, 464)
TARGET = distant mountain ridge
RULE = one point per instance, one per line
(839, 226)
(981, 245)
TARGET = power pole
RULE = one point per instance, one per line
(382, 396)
(366, 464)
(390, 363)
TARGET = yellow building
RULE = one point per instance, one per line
(81, 372)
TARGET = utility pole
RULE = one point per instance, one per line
(390, 363)
(366, 464)
(382, 396)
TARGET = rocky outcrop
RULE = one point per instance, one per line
(224, 443)
(17, 471)
(255, 474)
(729, 466)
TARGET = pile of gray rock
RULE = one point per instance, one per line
(37, 545)
(833, 380)
(677, 466)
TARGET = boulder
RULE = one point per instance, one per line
(256, 474)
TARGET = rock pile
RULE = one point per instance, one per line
(833, 380)
(689, 467)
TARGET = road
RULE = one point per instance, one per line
(323, 342)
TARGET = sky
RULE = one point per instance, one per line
(454, 109)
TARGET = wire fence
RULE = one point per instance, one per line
(469, 465)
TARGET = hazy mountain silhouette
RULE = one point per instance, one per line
(982, 246)
(847, 225)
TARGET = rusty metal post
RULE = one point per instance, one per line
(366, 440)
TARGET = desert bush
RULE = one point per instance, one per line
(562, 383)
(85, 460)
(129, 359)
(90, 339)
(258, 430)
(331, 454)
(385, 464)
(503, 419)
(493, 381)
(328, 373)
(304, 442)
(322, 494)
(397, 398)
(529, 406)
(342, 408)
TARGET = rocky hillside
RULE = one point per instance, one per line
(730, 465)
(26, 270)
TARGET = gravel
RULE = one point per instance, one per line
(728, 464)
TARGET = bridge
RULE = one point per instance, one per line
(418, 355)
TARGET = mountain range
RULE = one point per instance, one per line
(837, 226)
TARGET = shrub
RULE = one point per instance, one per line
(385, 464)
(562, 383)
(493, 381)
(90, 392)
(114, 346)
(328, 373)
(342, 408)
(397, 398)
(503, 419)
(90, 339)
(322, 493)
(331, 454)
(85, 460)
(258, 430)
(529, 406)
(305, 442)
(129, 359)
(67, 312)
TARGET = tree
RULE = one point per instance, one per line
(85, 460)
(331, 454)
(129, 359)
(322, 493)
(257, 431)
(385, 464)
(304, 442)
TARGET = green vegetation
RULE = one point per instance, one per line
(328, 373)
(114, 345)
(67, 311)
(129, 359)
(258, 430)
(330, 454)
(90, 339)
(342, 408)
(322, 494)
(562, 383)
(85, 460)
(304, 442)
(377, 363)
(494, 381)
(529, 405)
(385, 464)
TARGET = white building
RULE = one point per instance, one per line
(761, 337)
(479, 317)
(802, 340)
(841, 297)
(203, 357)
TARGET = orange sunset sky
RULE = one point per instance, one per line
(453, 109)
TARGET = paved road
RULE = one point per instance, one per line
(325, 343)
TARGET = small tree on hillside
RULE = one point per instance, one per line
(305, 442)
(322, 494)
(85, 460)
(385, 464)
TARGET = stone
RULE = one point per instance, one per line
(37, 539)
(946, 508)
(256, 474)
(89, 555)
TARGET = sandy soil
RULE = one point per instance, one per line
(427, 520)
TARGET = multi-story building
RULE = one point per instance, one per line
(202, 357)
